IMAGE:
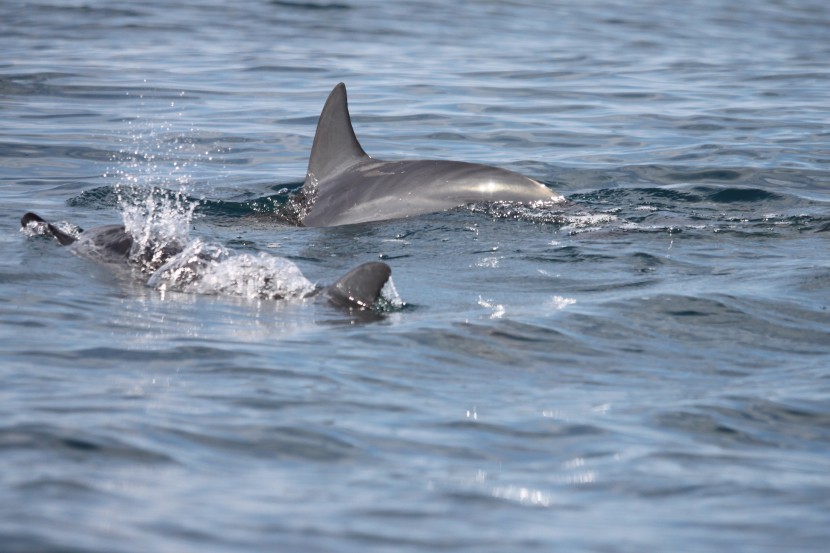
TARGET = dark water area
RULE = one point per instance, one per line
(643, 367)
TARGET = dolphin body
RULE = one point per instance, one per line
(344, 185)
(359, 289)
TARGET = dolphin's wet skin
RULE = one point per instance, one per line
(180, 265)
(344, 185)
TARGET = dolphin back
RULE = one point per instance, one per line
(359, 288)
(344, 185)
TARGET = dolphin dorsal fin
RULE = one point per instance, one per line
(335, 144)
(360, 288)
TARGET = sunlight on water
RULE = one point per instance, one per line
(559, 302)
(497, 310)
(523, 495)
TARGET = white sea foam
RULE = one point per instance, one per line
(205, 268)
(390, 299)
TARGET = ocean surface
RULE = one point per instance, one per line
(645, 367)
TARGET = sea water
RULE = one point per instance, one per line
(642, 368)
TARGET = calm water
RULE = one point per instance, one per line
(646, 368)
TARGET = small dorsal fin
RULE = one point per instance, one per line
(335, 144)
(359, 288)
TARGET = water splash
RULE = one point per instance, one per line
(36, 228)
(153, 186)
(158, 220)
(154, 194)
(390, 299)
(542, 211)
(205, 268)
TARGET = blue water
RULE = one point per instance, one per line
(643, 368)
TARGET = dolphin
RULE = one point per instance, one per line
(359, 289)
(344, 185)
(107, 243)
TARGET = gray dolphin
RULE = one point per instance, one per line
(344, 185)
(358, 289)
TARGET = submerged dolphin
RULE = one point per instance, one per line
(344, 185)
(358, 289)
